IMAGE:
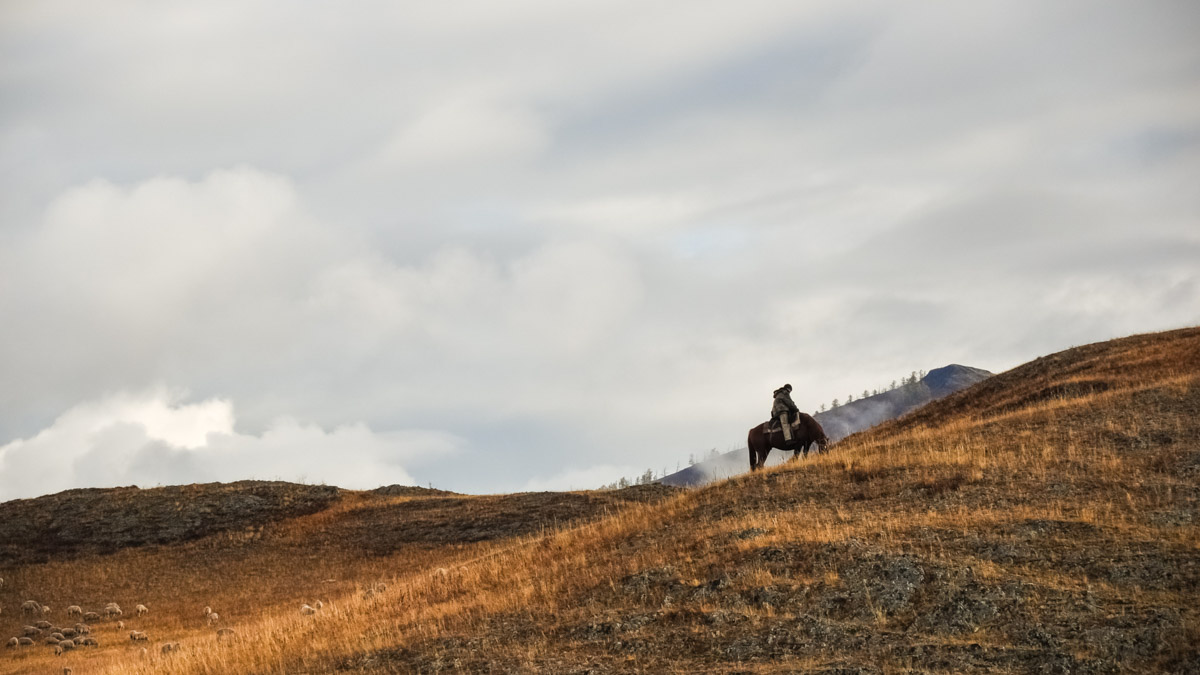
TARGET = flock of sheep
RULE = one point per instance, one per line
(63, 639)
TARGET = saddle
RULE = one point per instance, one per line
(774, 425)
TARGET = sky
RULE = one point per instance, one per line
(535, 245)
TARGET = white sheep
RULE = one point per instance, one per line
(31, 631)
(213, 617)
(120, 625)
(24, 642)
(57, 636)
(31, 607)
(57, 650)
(142, 610)
(12, 642)
(91, 617)
(45, 609)
(319, 605)
(67, 645)
(82, 628)
(138, 636)
(44, 625)
(88, 641)
(305, 609)
(74, 610)
(66, 670)
(1, 582)
(207, 611)
(169, 647)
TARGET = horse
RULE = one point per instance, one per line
(761, 439)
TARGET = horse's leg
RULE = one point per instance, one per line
(753, 456)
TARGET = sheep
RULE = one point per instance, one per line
(45, 609)
(305, 609)
(31, 631)
(24, 642)
(44, 625)
(91, 617)
(112, 611)
(88, 641)
(169, 647)
(66, 670)
(226, 634)
(74, 610)
(12, 642)
(83, 628)
(138, 636)
(319, 605)
(31, 607)
(213, 617)
(142, 610)
(57, 650)
(207, 611)
(69, 633)
(58, 636)
(120, 625)
(51, 640)
(1, 582)
(67, 645)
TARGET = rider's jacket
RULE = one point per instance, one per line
(783, 404)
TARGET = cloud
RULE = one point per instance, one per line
(154, 438)
(464, 129)
(587, 478)
(556, 233)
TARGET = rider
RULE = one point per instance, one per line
(783, 409)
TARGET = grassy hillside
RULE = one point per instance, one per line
(1045, 520)
(269, 548)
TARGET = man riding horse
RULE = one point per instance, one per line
(784, 411)
(779, 432)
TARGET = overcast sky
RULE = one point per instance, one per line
(523, 245)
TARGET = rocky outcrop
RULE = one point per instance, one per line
(102, 520)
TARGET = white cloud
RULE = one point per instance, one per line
(464, 129)
(560, 231)
(587, 478)
(154, 437)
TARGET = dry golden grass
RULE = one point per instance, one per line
(1046, 519)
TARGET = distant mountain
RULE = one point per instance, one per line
(843, 421)
(867, 412)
